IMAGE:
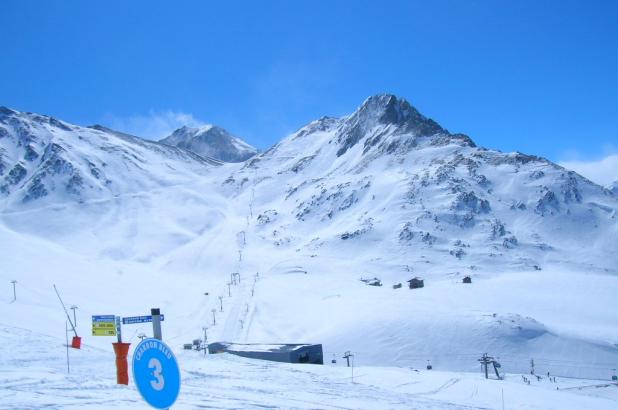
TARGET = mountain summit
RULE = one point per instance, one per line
(390, 109)
(211, 141)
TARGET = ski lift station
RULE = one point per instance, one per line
(288, 353)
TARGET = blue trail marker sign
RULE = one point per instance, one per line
(156, 373)
(138, 319)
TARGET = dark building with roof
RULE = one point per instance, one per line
(416, 283)
(287, 353)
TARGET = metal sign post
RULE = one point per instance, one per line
(109, 325)
(156, 323)
(118, 329)
(156, 372)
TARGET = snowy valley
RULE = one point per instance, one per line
(121, 224)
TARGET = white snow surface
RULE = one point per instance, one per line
(384, 192)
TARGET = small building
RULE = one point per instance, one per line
(397, 286)
(372, 282)
(467, 279)
(416, 283)
(287, 353)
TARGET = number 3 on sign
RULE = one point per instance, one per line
(158, 384)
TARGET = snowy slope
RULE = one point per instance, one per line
(383, 192)
(46, 160)
(211, 141)
(387, 193)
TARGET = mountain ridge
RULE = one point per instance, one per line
(405, 198)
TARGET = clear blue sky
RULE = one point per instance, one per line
(536, 76)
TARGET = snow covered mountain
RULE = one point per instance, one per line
(386, 192)
(388, 174)
(42, 158)
(383, 192)
(614, 187)
(211, 141)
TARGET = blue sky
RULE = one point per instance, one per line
(535, 76)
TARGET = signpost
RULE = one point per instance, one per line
(109, 325)
(156, 373)
(104, 325)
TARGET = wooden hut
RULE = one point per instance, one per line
(467, 279)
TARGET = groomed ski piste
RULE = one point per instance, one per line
(302, 229)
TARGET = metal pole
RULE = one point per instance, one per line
(229, 290)
(346, 356)
(65, 311)
(14, 291)
(214, 320)
(73, 307)
(205, 340)
(156, 323)
(119, 329)
(221, 302)
(352, 368)
(66, 336)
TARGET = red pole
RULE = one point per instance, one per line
(122, 367)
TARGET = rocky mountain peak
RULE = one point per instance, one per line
(385, 111)
(389, 109)
(211, 141)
